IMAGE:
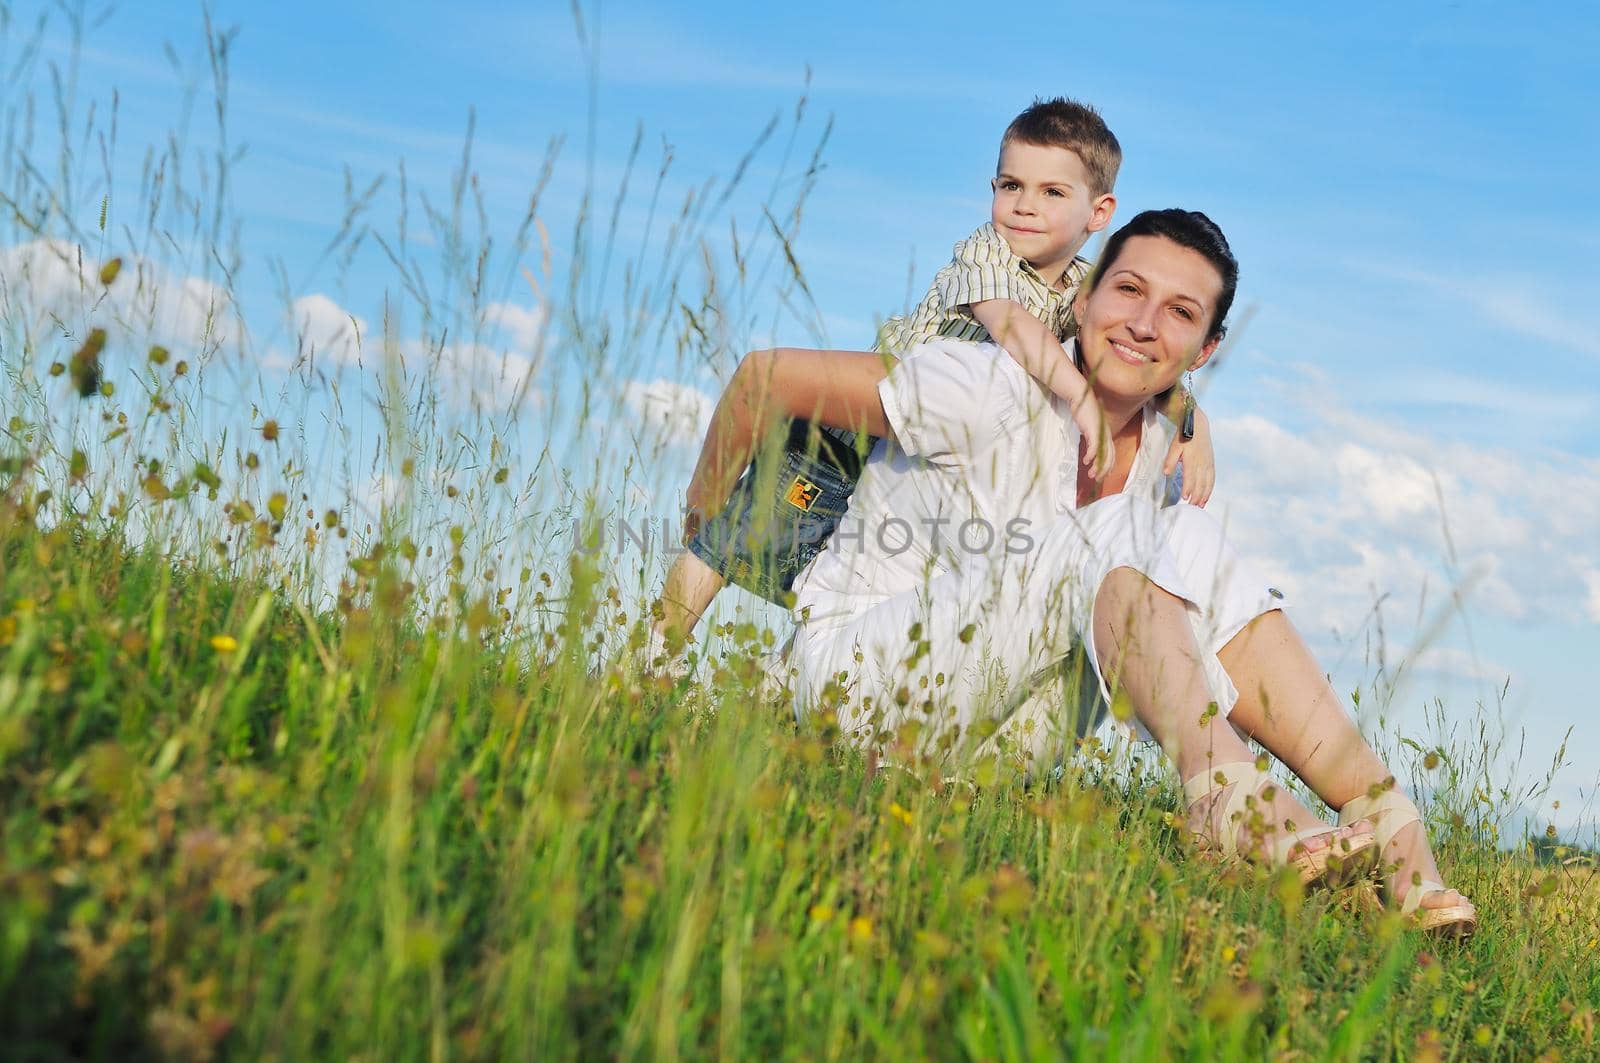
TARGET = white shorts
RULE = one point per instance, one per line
(1003, 650)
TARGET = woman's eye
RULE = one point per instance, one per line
(1128, 288)
(1183, 311)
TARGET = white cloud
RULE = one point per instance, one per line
(1524, 312)
(1449, 662)
(324, 329)
(669, 414)
(474, 377)
(1501, 301)
(1342, 510)
(1591, 578)
(48, 286)
(377, 493)
(190, 311)
(51, 286)
(1392, 487)
(524, 326)
(43, 280)
(1499, 398)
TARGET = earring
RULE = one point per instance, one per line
(1186, 430)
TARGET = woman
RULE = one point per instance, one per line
(977, 556)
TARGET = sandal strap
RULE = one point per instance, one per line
(1391, 812)
(1246, 780)
(1414, 895)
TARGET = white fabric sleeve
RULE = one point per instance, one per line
(948, 401)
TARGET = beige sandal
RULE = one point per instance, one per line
(1391, 812)
(1333, 865)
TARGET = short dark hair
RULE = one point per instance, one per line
(1186, 228)
(1063, 123)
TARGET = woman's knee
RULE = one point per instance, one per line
(1124, 594)
(1124, 580)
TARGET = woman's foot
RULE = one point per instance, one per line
(1412, 883)
(1239, 810)
(1408, 865)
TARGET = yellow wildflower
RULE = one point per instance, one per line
(224, 643)
(861, 928)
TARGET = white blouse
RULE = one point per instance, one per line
(983, 458)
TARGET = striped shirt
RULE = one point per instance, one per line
(984, 267)
(981, 267)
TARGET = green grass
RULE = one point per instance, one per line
(359, 834)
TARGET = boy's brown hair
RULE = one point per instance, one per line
(1063, 123)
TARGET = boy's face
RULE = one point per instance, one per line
(1043, 208)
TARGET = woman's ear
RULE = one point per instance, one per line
(1080, 300)
(1206, 352)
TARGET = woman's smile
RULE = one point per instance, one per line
(1129, 354)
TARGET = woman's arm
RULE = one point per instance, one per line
(838, 389)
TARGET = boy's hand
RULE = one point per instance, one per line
(1034, 347)
(1199, 461)
(694, 513)
(691, 524)
(1098, 452)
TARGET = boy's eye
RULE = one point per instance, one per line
(1010, 186)
(1054, 192)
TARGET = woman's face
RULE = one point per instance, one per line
(1148, 319)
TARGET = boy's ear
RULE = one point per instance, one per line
(1100, 217)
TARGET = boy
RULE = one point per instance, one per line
(1012, 281)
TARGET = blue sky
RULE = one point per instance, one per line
(1412, 408)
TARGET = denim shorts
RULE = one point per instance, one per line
(774, 525)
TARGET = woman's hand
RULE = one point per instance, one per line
(1199, 461)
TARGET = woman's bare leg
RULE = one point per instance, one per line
(1287, 704)
(1143, 639)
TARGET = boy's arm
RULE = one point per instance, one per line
(1196, 453)
(838, 389)
(1034, 347)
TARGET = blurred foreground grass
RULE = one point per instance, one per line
(232, 826)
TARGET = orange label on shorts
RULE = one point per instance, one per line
(802, 494)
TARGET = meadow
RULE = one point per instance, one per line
(290, 775)
(233, 826)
